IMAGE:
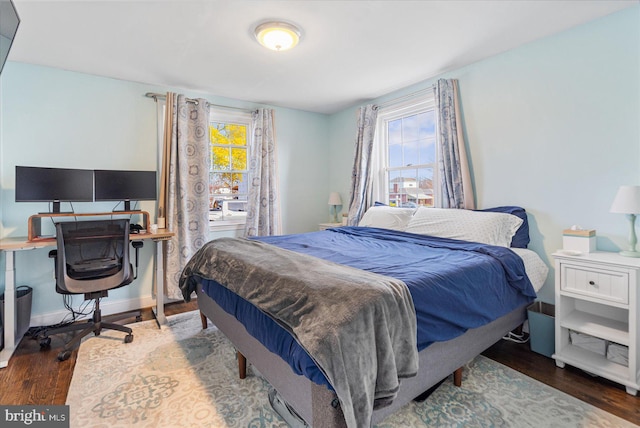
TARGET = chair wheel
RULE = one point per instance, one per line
(45, 342)
(64, 355)
(128, 338)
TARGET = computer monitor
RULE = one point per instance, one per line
(38, 184)
(119, 185)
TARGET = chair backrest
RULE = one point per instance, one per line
(92, 255)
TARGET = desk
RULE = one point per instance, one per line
(11, 245)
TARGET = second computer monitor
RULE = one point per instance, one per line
(121, 185)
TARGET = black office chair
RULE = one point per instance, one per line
(91, 258)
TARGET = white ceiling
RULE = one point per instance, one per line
(351, 51)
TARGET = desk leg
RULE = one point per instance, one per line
(158, 283)
(9, 325)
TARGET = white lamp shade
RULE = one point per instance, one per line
(627, 200)
(335, 199)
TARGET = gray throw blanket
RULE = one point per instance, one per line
(359, 327)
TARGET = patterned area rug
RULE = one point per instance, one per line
(183, 376)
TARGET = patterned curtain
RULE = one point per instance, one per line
(263, 206)
(361, 187)
(166, 157)
(188, 149)
(455, 177)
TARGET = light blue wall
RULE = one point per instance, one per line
(58, 118)
(553, 126)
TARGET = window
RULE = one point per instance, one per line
(229, 177)
(406, 141)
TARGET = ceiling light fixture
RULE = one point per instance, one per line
(277, 35)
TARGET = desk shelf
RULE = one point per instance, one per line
(35, 221)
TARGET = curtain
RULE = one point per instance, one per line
(455, 177)
(361, 188)
(263, 203)
(184, 194)
(166, 155)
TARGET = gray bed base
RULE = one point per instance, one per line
(313, 402)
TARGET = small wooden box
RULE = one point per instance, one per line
(579, 240)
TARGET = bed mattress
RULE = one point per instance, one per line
(455, 285)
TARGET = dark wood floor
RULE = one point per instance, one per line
(35, 376)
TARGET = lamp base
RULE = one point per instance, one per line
(334, 210)
(630, 253)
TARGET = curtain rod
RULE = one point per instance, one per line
(157, 96)
(406, 97)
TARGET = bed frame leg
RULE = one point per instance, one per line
(457, 377)
(203, 319)
(242, 365)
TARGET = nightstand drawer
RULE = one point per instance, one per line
(599, 283)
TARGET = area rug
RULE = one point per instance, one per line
(183, 376)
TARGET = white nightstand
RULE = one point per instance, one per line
(597, 295)
(323, 226)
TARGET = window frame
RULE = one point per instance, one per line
(380, 161)
(238, 117)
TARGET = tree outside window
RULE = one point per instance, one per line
(228, 178)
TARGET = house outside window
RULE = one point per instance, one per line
(230, 135)
(406, 148)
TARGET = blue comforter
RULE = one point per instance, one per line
(455, 285)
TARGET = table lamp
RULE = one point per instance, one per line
(334, 201)
(627, 201)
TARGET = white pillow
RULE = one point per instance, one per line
(387, 217)
(477, 226)
(534, 267)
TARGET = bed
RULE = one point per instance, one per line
(474, 293)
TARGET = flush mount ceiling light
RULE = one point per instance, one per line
(277, 36)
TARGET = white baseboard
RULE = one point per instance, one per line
(107, 307)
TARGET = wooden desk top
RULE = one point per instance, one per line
(22, 243)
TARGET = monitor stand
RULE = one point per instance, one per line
(127, 207)
(56, 209)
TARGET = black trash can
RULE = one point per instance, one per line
(24, 295)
